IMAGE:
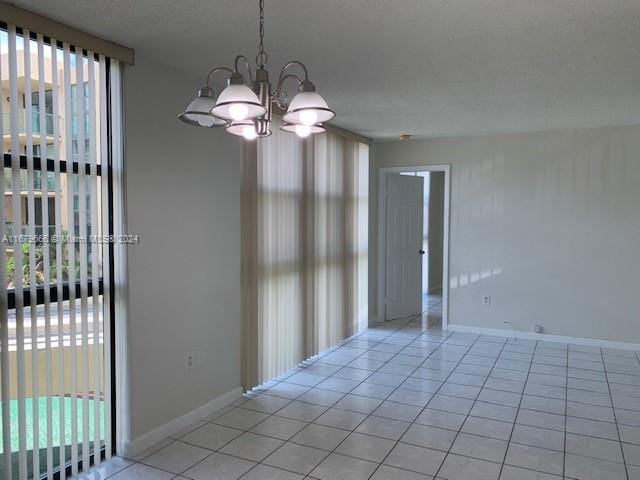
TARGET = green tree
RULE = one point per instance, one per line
(39, 263)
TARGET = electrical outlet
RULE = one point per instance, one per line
(538, 328)
(190, 361)
(486, 299)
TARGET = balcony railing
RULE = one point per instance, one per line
(36, 123)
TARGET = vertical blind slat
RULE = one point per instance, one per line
(82, 231)
(95, 230)
(72, 264)
(31, 229)
(55, 108)
(118, 258)
(17, 256)
(44, 177)
(106, 260)
(4, 320)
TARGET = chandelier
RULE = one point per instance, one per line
(244, 107)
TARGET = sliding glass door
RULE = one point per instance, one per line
(56, 312)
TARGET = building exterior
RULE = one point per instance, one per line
(43, 136)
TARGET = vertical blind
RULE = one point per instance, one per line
(305, 249)
(55, 337)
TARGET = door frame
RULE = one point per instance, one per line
(382, 229)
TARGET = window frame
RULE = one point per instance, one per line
(54, 289)
(63, 290)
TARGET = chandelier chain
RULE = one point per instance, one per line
(262, 57)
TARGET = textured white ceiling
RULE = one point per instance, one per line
(423, 67)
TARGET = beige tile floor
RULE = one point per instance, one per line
(406, 402)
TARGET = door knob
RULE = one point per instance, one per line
(421, 252)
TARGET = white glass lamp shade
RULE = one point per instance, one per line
(303, 131)
(238, 102)
(245, 129)
(198, 112)
(308, 108)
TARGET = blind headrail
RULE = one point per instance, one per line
(61, 32)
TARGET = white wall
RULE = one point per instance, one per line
(546, 223)
(436, 229)
(183, 199)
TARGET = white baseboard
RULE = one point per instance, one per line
(499, 332)
(163, 431)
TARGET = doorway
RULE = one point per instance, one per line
(413, 237)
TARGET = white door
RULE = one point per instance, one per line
(404, 210)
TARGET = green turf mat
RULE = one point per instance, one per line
(41, 412)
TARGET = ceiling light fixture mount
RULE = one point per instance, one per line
(244, 107)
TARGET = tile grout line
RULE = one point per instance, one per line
(434, 394)
(409, 320)
(456, 396)
(342, 392)
(311, 422)
(515, 419)
(377, 340)
(566, 411)
(615, 418)
(412, 405)
(422, 332)
(269, 415)
(390, 418)
(413, 422)
(474, 402)
(497, 389)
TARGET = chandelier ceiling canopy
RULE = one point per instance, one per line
(245, 106)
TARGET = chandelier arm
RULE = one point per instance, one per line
(246, 62)
(292, 63)
(283, 78)
(283, 75)
(209, 82)
(280, 99)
